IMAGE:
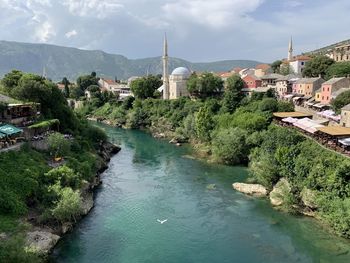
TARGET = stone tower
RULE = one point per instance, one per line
(290, 50)
(165, 70)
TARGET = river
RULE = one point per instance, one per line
(150, 179)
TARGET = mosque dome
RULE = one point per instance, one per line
(181, 71)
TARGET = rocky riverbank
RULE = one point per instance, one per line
(43, 238)
(279, 196)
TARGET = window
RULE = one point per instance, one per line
(322, 97)
(327, 89)
(327, 98)
(302, 63)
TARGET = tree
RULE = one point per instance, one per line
(66, 84)
(229, 146)
(204, 124)
(340, 101)
(58, 145)
(64, 175)
(339, 69)
(317, 66)
(275, 66)
(145, 87)
(85, 81)
(286, 69)
(233, 94)
(11, 79)
(69, 205)
(204, 85)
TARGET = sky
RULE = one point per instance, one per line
(197, 30)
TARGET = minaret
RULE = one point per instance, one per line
(290, 50)
(165, 70)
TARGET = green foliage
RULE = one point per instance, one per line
(275, 66)
(317, 66)
(340, 101)
(12, 250)
(69, 205)
(339, 69)
(204, 85)
(45, 124)
(285, 106)
(229, 146)
(58, 145)
(85, 81)
(204, 124)
(233, 94)
(64, 175)
(145, 87)
(11, 80)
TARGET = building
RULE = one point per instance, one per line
(269, 80)
(251, 82)
(341, 53)
(307, 86)
(261, 70)
(108, 84)
(290, 50)
(178, 83)
(330, 88)
(175, 85)
(345, 116)
(284, 84)
(297, 64)
(120, 89)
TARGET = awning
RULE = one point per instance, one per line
(2, 135)
(345, 142)
(308, 125)
(289, 120)
(8, 129)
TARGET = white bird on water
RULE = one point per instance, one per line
(162, 221)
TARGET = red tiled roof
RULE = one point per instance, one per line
(237, 69)
(110, 81)
(263, 67)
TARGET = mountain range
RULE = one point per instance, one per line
(58, 62)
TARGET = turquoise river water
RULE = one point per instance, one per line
(151, 179)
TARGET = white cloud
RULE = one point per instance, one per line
(44, 32)
(93, 8)
(215, 14)
(71, 33)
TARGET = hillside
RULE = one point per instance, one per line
(329, 47)
(69, 62)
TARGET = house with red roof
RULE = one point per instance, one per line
(251, 82)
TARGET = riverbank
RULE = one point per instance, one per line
(43, 238)
(151, 179)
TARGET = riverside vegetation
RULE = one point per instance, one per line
(33, 194)
(233, 129)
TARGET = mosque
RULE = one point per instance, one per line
(174, 86)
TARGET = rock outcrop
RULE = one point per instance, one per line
(308, 198)
(251, 189)
(280, 190)
(41, 242)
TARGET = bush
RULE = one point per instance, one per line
(69, 205)
(58, 145)
(229, 147)
(63, 175)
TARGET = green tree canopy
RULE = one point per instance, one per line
(11, 80)
(317, 66)
(339, 69)
(275, 66)
(145, 87)
(233, 94)
(204, 123)
(85, 81)
(340, 101)
(204, 85)
(58, 145)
